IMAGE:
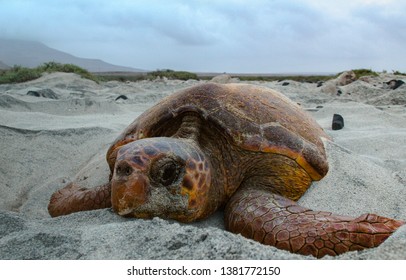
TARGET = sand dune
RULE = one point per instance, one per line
(49, 141)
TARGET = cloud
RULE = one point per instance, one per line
(227, 35)
(185, 22)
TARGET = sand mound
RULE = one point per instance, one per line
(49, 142)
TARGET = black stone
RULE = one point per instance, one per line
(46, 93)
(394, 84)
(33, 93)
(285, 84)
(319, 84)
(338, 122)
(121, 97)
(339, 92)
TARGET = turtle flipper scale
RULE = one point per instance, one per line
(73, 198)
(278, 221)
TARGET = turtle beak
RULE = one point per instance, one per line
(129, 193)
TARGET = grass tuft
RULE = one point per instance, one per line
(399, 73)
(19, 74)
(172, 75)
(362, 72)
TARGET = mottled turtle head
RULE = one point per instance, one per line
(161, 177)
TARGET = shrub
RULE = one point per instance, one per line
(399, 73)
(172, 75)
(51, 67)
(361, 73)
(364, 72)
(19, 74)
(297, 78)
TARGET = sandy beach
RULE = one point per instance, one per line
(57, 129)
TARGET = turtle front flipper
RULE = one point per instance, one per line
(73, 198)
(278, 221)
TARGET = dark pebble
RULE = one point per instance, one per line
(121, 97)
(394, 84)
(338, 122)
(46, 93)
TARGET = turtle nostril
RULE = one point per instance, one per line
(128, 170)
(124, 170)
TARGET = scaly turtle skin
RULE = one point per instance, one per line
(244, 147)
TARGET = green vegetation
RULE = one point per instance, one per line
(19, 74)
(399, 73)
(299, 78)
(361, 73)
(51, 67)
(364, 72)
(171, 75)
(182, 75)
(120, 76)
(134, 76)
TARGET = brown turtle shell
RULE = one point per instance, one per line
(254, 118)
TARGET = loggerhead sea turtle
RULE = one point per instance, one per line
(244, 147)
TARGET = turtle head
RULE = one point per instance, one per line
(161, 177)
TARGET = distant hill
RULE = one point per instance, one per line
(32, 54)
(3, 66)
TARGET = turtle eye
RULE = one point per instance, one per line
(166, 171)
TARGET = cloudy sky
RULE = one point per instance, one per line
(256, 36)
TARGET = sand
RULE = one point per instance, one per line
(63, 133)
